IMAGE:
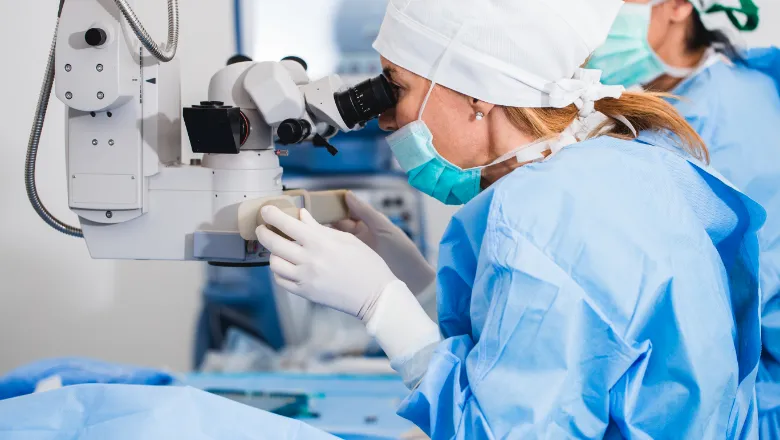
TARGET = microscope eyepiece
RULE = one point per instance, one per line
(365, 101)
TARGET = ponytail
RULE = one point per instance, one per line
(645, 112)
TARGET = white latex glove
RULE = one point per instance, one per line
(390, 242)
(323, 265)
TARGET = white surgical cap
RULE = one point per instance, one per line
(507, 52)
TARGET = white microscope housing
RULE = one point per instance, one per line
(133, 196)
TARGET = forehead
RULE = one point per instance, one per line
(394, 71)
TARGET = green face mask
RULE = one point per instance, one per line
(626, 58)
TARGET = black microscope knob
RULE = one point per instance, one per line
(293, 131)
(96, 37)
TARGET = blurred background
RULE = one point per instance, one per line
(54, 299)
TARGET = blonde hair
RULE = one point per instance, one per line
(645, 111)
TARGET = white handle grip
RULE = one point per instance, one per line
(325, 206)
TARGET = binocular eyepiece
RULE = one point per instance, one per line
(365, 101)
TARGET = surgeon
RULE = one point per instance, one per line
(606, 287)
(731, 99)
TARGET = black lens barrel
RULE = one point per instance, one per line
(365, 101)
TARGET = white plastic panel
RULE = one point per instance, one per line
(320, 102)
(182, 201)
(109, 191)
(103, 145)
(94, 78)
(274, 92)
(161, 115)
(297, 72)
(227, 85)
(163, 233)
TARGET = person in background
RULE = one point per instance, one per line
(731, 98)
(606, 287)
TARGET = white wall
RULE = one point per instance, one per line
(55, 300)
(768, 32)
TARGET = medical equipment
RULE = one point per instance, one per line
(293, 405)
(365, 166)
(134, 198)
(349, 406)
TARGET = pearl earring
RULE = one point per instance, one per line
(480, 116)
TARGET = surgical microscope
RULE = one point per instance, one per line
(126, 183)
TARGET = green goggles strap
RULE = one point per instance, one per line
(747, 9)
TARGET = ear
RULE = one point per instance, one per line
(681, 11)
(481, 106)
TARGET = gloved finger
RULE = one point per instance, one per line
(347, 225)
(360, 210)
(285, 284)
(308, 219)
(293, 227)
(284, 269)
(280, 246)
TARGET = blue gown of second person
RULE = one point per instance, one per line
(735, 107)
(610, 291)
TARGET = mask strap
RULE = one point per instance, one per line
(526, 153)
(425, 101)
(678, 72)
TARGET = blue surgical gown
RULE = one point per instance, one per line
(736, 109)
(610, 291)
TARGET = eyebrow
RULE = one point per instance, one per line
(389, 71)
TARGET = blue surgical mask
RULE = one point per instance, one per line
(434, 175)
(626, 58)
(428, 171)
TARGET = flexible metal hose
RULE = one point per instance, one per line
(169, 52)
(32, 149)
(164, 55)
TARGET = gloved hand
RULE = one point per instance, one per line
(323, 265)
(390, 242)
